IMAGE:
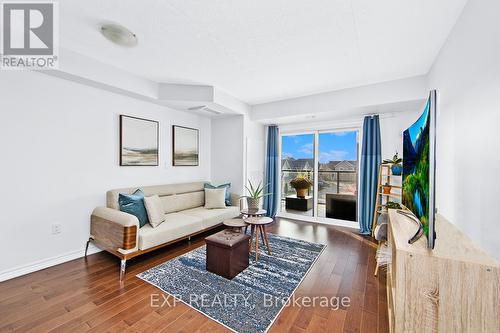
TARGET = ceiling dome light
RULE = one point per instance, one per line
(119, 35)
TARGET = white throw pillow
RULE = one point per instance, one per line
(155, 211)
(215, 198)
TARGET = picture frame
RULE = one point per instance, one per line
(139, 141)
(185, 146)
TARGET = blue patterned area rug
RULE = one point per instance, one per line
(251, 301)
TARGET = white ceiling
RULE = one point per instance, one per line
(265, 50)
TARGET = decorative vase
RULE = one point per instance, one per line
(386, 189)
(253, 203)
(396, 169)
(301, 192)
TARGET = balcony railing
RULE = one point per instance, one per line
(329, 181)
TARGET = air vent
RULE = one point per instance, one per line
(204, 108)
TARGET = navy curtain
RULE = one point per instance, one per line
(370, 161)
(271, 173)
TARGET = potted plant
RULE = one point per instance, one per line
(396, 166)
(254, 195)
(301, 184)
(387, 188)
(392, 205)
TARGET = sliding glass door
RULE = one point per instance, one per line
(297, 169)
(329, 161)
(338, 175)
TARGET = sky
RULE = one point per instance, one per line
(336, 146)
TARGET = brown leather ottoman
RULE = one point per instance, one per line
(227, 253)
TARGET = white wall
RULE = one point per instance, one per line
(227, 152)
(467, 77)
(255, 147)
(60, 153)
(238, 151)
(344, 103)
(391, 130)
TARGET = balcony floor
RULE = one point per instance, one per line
(321, 210)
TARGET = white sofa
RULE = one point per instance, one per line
(185, 215)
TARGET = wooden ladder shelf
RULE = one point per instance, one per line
(380, 207)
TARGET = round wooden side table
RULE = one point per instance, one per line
(235, 224)
(250, 212)
(258, 224)
(253, 212)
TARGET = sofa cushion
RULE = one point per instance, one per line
(176, 225)
(160, 190)
(211, 217)
(134, 204)
(154, 208)
(178, 202)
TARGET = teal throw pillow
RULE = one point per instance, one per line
(228, 194)
(134, 204)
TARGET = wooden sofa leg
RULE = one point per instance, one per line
(123, 266)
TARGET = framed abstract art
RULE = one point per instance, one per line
(139, 141)
(185, 146)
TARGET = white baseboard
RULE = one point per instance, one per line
(45, 263)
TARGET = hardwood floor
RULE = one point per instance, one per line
(86, 296)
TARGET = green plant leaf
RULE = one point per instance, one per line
(255, 192)
(251, 187)
(249, 192)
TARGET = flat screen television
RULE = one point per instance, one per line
(419, 168)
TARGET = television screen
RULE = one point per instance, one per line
(419, 168)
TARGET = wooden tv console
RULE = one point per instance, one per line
(453, 288)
